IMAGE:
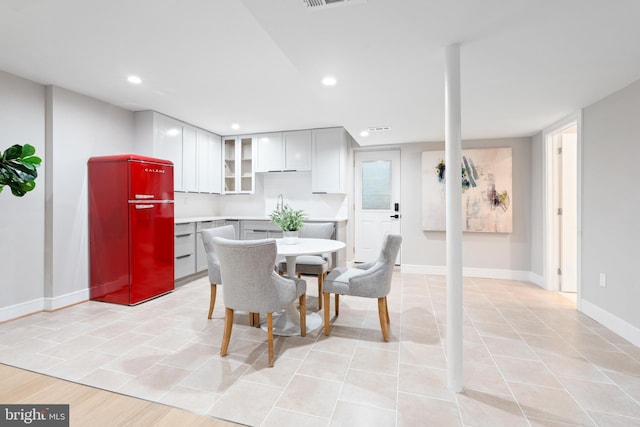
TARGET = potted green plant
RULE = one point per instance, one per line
(18, 169)
(290, 221)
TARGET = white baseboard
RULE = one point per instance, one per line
(434, 270)
(610, 321)
(21, 309)
(537, 279)
(66, 299)
(40, 304)
(485, 273)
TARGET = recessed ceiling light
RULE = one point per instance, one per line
(134, 80)
(235, 126)
(364, 133)
(329, 81)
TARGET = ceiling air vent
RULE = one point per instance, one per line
(379, 129)
(322, 4)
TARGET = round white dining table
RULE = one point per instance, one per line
(287, 323)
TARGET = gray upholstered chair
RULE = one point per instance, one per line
(227, 232)
(251, 284)
(370, 280)
(314, 265)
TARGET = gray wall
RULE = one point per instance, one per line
(537, 206)
(488, 251)
(21, 219)
(611, 203)
(81, 127)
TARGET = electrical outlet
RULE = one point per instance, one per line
(603, 280)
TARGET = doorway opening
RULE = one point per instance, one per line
(562, 145)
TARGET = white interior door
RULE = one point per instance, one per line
(568, 230)
(564, 227)
(377, 201)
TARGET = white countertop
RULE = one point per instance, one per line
(245, 218)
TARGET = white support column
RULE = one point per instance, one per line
(453, 147)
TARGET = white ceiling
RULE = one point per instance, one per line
(525, 63)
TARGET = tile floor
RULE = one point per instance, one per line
(530, 359)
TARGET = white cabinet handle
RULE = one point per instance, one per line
(144, 206)
(144, 196)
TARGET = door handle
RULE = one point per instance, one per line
(144, 206)
(143, 196)
(395, 216)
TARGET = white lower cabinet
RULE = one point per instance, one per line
(190, 255)
(201, 254)
(185, 249)
(252, 230)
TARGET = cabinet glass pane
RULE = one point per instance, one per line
(230, 165)
(246, 165)
(376, 185)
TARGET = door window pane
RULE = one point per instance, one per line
(376, 185)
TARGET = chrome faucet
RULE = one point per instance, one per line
(280, 203)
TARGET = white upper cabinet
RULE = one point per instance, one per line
(297, 150)
(329, 160)
(269, 157)
(229, 164)
(238, 164)
(189, 160)
(203, 158)
(209, 162)
(196, 154)
(283, 151)
(160, 137)
(215, 164)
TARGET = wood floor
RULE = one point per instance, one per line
(93, 406)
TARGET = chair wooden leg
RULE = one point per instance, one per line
(320, 283)
(226, 337)
(386, 309)
(327, 305)
(303, 315)
(299, 276)
(270, 338)
(254, 319)
(337, 304)
(212, 300)
(382, 313)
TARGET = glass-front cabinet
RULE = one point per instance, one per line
(238, 164)
(229, 147)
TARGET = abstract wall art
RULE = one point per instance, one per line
(486, 190)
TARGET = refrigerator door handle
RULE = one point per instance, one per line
(144, 196)
(144, 206)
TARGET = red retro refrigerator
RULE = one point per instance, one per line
(130, 228)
